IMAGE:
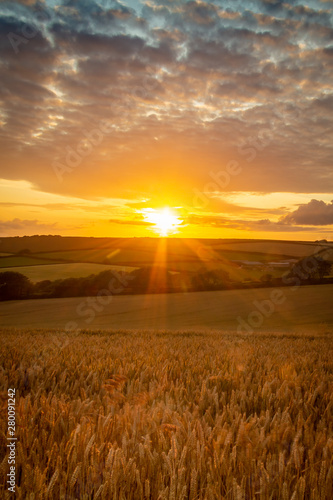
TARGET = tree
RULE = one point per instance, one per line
(324, 268)
(311, 268)
(216, 279)
(151, 279)
(43, 288)
(14, 286)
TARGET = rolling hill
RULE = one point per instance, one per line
(303, 308)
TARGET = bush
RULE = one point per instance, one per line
(14, 286)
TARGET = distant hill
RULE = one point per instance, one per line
(49, 257)
(54, 243)
(49, 243)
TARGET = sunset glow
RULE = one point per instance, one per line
(165, 221)
(113, 110)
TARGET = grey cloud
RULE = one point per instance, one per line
(28, 226)
(186, 86)
(200, 12)
(246, 225)
(315, 213)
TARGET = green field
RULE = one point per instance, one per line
(80, 257)
(50, 244)
(118, 255)
(19, 260)
(137, 256)
(191, 256)
(61, 271)
(306, 307)
(296, 249)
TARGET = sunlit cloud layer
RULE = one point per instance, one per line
(153, 102)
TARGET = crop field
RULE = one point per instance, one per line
(135, 256)
(22, 261)
(128, 256)
(306, 307)
(134, 415)
(242, 260)
(296, 249)
(61, 271)
(97, 255)
(235, 273)
(129, 250)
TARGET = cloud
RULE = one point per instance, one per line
(30, 227)
(261, 225)
(188, 86)
(131, 222)
(315, 213)
(201, 12)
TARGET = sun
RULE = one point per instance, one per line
(164, 221)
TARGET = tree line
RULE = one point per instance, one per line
(155, 279)
(148, 279)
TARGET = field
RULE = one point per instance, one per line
(152, 255)
(297, 249)
(62, 271)
(182, 396)
(19, 261)
(48, 244)
(308, 307)
(190, 252)
(169, 415)
(242, 260)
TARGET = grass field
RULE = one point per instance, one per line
(235, 273)
(307, 307)
(169, 415)
(136, 251)
(178, 245)
(62, 271)
(76, 256)
(137, 256)
(22, 261)
(47, 271)
(296, 249)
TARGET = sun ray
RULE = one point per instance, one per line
(164, 221)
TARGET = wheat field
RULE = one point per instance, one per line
(140, 415)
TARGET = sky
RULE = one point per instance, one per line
(116, 113)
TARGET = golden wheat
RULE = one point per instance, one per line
(197, 416)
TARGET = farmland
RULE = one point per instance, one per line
(169, 415)
(306, 307)
(50, 244)
(297, 249)
(203, 396)
(242, 260)
(70, 270)
(23, 261)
